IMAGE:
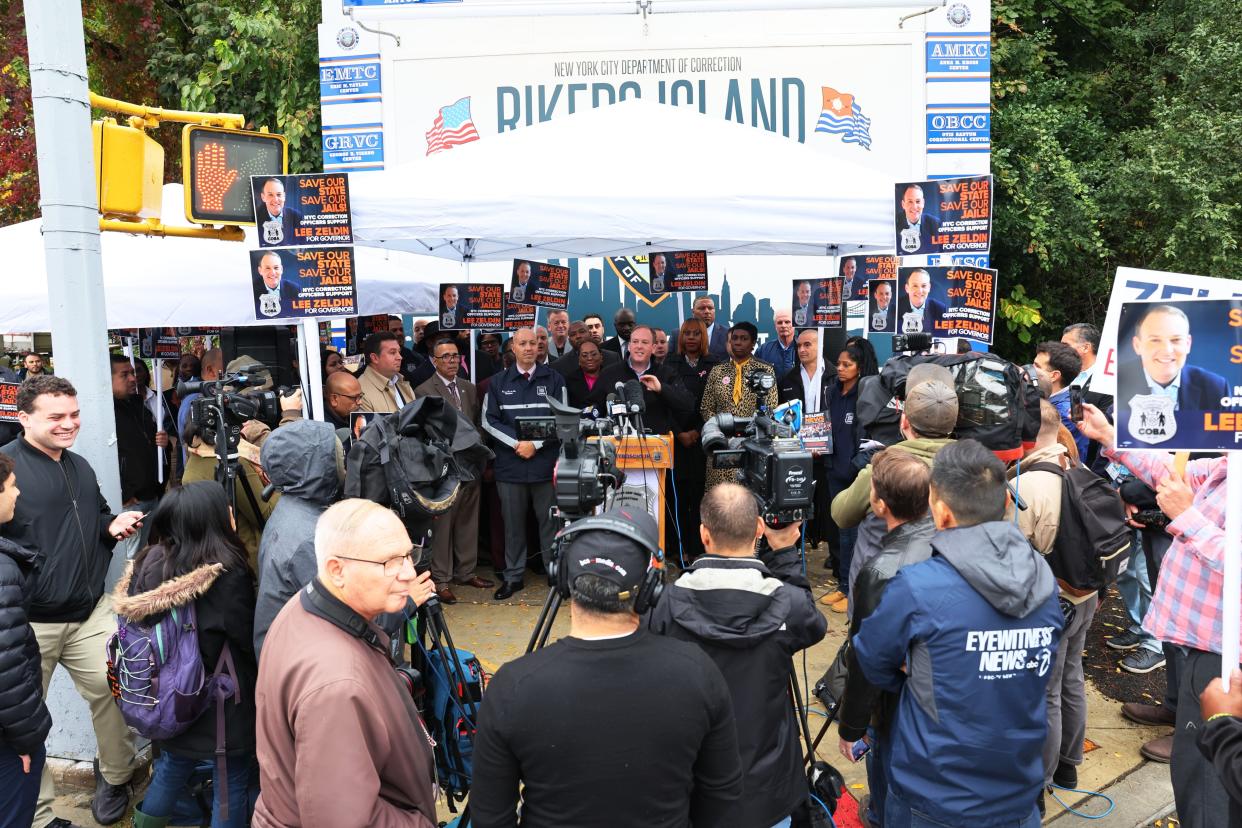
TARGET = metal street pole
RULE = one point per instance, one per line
(70, 208)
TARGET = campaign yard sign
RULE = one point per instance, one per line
(1179, 375)
(8, 401)
(677, 271)
(517, 315)
(469, 306)
(817, 303)
(947, 215)
(302, 210)
(954, 302)
(299, 282)
(857, 271)
(539, 283)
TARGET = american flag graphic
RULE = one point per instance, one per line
(452, 127)
(843, 116)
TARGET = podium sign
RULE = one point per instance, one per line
(644, 460)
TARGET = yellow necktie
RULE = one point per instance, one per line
(737, 383)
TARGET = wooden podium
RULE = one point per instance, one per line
(644, 460)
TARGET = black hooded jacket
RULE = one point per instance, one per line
(750, 615)
(63, 518)
(24, 720)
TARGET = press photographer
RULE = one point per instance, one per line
(573, 727)
(226, 422)
(750, 614)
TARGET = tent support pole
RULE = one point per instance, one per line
(308, 345)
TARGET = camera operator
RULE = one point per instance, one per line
(751, 614)
(202, 458)
(1186, 608)
(340, 741)
(611, 725)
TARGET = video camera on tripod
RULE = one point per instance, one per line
(768, 457)
(586, 471)
(223, 411)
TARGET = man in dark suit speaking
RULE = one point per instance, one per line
(273, 296)
(276, 221)
(1162, 343)
(914, 229)
(917, 307)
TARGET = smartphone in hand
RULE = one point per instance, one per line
(1076, 414)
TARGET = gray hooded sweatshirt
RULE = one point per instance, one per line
(301, 461)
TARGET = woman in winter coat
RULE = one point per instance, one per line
(24, 720)
(195, 555)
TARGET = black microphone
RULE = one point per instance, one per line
(634, 397)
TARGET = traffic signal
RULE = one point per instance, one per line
(129, 171)
(218, 164)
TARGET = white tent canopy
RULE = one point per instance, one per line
(621, 180)
(152, 282)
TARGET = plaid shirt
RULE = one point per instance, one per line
(1186, 607)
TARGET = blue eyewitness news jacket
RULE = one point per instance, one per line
(978, 626)
(509, 396)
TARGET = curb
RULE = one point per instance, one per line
(1142, 796)
(70, 776)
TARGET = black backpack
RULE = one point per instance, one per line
(1093, 540)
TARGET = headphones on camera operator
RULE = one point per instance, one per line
(638, 527)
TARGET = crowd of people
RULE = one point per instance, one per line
(961, 680)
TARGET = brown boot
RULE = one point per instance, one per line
(1159, 749)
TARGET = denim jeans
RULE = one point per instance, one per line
(877, 776)
(1135, 589)
(18, 791)
(173, 771)
(898, 814)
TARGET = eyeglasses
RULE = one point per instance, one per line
(449, 357)
(392, 566)
(351, 397)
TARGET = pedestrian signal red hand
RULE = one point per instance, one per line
(213, 177)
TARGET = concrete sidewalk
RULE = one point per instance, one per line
(498, 632)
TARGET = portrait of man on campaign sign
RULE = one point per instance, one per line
(881, 309)
(525, 283)
(1172, 390)
(273, 289)
(916, 226)
(803, 310)
(454, 306)
(919, 312)
(276, 221)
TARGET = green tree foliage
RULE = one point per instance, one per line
(1117, 140)
(258, 58)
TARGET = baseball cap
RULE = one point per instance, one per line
(927, 372)
(616, 546)
(931, 408)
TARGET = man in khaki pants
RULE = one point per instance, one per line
(62, 516)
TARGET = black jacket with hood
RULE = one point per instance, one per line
(301, 461)
(224, 607)
(24, 720)
(907, 544)
(63, 518)
(750, 615)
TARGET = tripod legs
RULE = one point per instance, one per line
(547, 617)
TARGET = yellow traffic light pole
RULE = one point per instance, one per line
(143, 117)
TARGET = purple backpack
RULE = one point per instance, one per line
(157, 676)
